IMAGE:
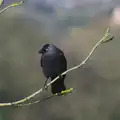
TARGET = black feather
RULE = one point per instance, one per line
(53, 63)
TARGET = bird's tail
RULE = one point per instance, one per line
(58, 85)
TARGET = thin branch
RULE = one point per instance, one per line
(12, 5)
(63, 93)
(22, 101)
(38, 101)
(1, 2)
(103, 40)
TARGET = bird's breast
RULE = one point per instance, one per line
(52, 64)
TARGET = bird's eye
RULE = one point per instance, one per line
(46, 49)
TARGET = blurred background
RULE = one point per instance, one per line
(74, 26)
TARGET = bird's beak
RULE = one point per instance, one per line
(40, 51)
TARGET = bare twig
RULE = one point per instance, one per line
(12, 5)
(22, 101)
(38, 101)
(65, 92)
(1, 2)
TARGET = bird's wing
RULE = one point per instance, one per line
(41, 63)
(63, 59)
(65, 62)
(60, 51)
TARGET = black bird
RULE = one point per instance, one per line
(53, 63)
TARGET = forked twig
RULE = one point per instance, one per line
(22, 101)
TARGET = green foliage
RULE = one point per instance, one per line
(66, 92)
(1, 2)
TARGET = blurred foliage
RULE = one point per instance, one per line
(97, 84)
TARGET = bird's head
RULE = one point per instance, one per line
(44, 49)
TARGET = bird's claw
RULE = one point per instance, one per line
(46, 87)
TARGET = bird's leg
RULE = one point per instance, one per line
(60, 76)
(45, 84)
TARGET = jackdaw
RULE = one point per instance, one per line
(53, 63)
